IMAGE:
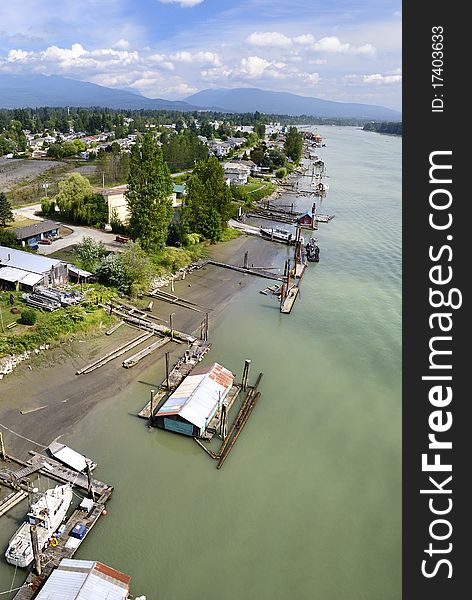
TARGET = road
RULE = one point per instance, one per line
(78, 233)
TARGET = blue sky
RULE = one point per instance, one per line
(335, 49)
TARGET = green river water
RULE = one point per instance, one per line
(308, 504)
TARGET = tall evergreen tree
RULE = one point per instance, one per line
(149, 195)
(208, 200)
(6, 213)
(294, 144)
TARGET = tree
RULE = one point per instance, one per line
(6, 213)
(90, 253)
(260, 130)
(208, 200)
(149, 195)
(8, 238)
(72, 193)
(130, 270)
(294, 144)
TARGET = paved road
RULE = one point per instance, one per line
(78, 233)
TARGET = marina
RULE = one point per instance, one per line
(322, 417)
(36, 540)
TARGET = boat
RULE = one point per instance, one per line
(312, 251)
(321, 188)
(278, 235)
(47, 513)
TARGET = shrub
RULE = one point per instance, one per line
(28, 317)
(281, 173)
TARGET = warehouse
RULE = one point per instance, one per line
(191, 407)
(85, 580)
(24, 270)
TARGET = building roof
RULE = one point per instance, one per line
(179, 188)
(19, 276)
(68, 456)
(84, 580)
(30, 230)
(33, 263)
(197, 397)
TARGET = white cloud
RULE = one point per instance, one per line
(202, 58)
(254, 66)
(332, 44)
(121, 44)
(17, 56)
(269, 38)
(162, 61)
(378, 78)
(183, 3)
(304, 40)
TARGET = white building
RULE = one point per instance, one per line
(237, 173)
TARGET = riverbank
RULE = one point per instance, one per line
(53, 399)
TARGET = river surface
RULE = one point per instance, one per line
(308, 504)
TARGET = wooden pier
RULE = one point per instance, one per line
(250, 271)
(184, 366)
(217, 426)
(133, 360)
(289, 300)
(66, 545)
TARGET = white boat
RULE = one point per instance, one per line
(278, 235)
(47, 513)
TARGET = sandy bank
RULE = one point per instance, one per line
(53, 398)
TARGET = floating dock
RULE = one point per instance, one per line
(66, 545)
(184, 366)
(287, 303)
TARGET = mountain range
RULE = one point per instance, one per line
(18, 91)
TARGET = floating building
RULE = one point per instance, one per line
(85, 580)
(192, 406)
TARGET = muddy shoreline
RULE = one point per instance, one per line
(53, 399)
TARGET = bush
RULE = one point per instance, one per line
(28, 317)
(281, 173)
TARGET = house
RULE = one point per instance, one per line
(85, 580)
(31, 234)
(19, 269)
(191, 407)
(118, 204)
(306, 219)
(237, 173)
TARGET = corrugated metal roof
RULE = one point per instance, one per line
(68, 456)
(31, 279)
(196, 399)
(34, 263)
(85, 580)
(12, 274)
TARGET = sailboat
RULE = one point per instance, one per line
(47, 513)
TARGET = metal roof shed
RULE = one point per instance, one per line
(34, 263)
(195, 401)
(85, 580)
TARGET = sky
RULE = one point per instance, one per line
(332, 49)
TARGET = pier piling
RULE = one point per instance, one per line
(36, 553)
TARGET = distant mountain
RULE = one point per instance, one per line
(283, 103)
(17, 91)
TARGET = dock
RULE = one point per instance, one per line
(184, 366)
(15, 474)
(133, 360)
(219, 424)
(289, 300)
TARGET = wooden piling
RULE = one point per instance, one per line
(247, 365)
(36, 553)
